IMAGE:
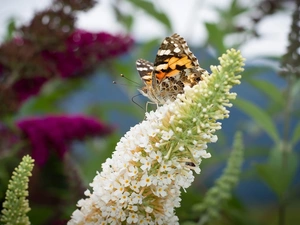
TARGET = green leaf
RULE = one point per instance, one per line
(150, 9)
(259, 116)
(146, 50)
(296, 134)
(126, 20)
(279, 172)
(251, 72)
(295, 89)
(215, 37)
(131, 80)
(11, 28)
(49, 96)
(269, 90)
(236, 8)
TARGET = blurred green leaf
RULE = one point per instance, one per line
(99, 149)
(296, 134)
(125, 19)
(11, 28)
(295, 90)
(150, 9)
(215, 37)
(227, 15)
(269, 90)
(131, 80)
(280, 170)
(236, 8)
(53, 91)
(39, 214)
(259, 116)
(148, 50)
(255, 71)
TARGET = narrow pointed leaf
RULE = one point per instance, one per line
(151, 10)
(259, 116)
(270, 90)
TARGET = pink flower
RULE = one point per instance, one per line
(26, 87)
(56, 132)
(85, 50)
(81, 53)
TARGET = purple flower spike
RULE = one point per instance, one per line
(85, 50)
(56, 132)
(27, 87)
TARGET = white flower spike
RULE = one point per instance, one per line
(155, 160)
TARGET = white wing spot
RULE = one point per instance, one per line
(142, 68)
(162, 67)
(167, 52)
(176, 50)
(164, 52)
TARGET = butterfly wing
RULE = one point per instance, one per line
(173, 57)
(145, 69)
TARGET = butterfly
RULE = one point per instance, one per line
(174, 68)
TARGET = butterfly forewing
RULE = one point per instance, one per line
(145, 69)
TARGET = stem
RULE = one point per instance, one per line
(285, 148)
(286, 120)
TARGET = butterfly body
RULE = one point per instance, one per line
(174, 68)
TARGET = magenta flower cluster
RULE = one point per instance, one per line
(85, 50)
(54, 133)
(26, 87)
(80, 54)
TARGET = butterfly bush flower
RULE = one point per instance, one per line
(56, 132)
(155, 160)
(80, 53)
(84, 51)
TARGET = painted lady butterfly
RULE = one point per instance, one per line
(174, 68)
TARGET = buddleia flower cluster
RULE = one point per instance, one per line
(156, 159)
(16, 206)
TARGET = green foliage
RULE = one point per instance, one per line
(51, 94)
(149, 8)
(296, 135)
(227, 25)
(11, 28)
(281, 165)
(216, 196)
(270, 90)
(261, 118)
(215, 36)
(16, 205)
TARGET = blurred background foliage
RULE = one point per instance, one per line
(58, 103)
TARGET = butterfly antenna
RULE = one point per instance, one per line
(132, 81)
(132, 99)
